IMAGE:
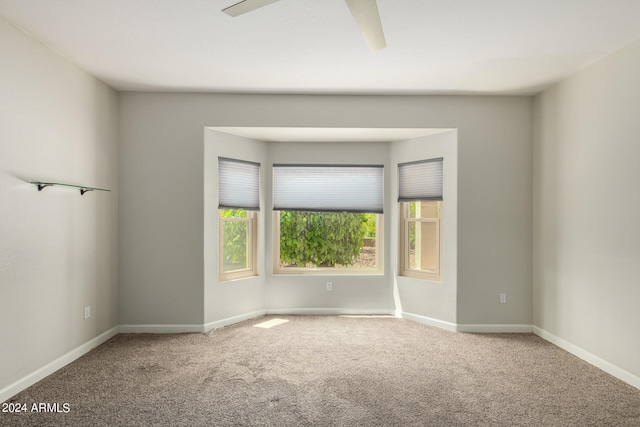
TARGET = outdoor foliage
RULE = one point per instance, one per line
(412, 230)
(235, 240)
(322, 239)
(370, 223)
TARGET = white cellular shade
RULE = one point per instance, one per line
(238, 184)
(421, 180)
(328, 188)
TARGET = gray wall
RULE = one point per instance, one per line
(586, 201)
(162, 217)
(58, 250)
(225, 300)
(354, 292)
(434, 300)
(351, 293)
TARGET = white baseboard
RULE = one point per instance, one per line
(174, 329)
(495, 329)
(23, 383)
(428, 321)
(332, 311)
(591, 358)
(456, 327)
(160, 329)
(235, 319)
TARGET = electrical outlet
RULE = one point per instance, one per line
(503, 298)
(87, 312)
(329, 286)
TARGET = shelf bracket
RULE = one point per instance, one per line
(83, 188)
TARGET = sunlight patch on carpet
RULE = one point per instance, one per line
(271, 323)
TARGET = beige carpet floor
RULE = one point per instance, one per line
(330, 371)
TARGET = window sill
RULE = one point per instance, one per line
(425, 277)
(237, 275)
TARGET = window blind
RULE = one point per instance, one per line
(238, 184)
(328, 188)
(421, 180)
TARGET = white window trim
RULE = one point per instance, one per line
(328, 271)
(431, 275)
(252, 225)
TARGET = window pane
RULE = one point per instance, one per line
(335, 240)
(236, 251)
(233, 213)
(423, 247)
(427, 209)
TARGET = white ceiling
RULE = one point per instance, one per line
(313, 46)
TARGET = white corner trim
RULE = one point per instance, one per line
(48, 369)
(495, 329)
(332, 311)
(235, 319)
(429, 321)
(591, 358)
(160, 329)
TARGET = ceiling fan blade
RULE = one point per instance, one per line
(367, 17)
(246, 6)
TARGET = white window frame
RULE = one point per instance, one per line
(329, 271)
(252, 226)
(405, 220)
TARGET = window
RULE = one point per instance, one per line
(421, 239)
(327, 219)
(327, 242)
(420, 197)
(238, 201)
(237, 243)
